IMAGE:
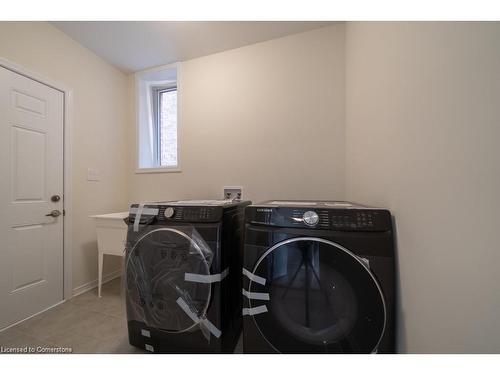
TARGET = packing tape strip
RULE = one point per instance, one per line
(254, 295)
(139, 211)
(184, 306)
(206, 279)
(254, 310)
(138, 217)
(253, 277)
(145, 210)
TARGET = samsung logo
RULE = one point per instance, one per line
(264, 210)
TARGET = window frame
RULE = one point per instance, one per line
(148, 84)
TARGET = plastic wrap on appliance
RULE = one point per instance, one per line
(157, 261)
(202, 320)
(141, 215)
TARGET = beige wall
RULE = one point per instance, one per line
(269, 117)
(422, 117)
(99, 122)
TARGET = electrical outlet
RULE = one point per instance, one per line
(233, 192)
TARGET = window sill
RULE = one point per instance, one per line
(158, 170)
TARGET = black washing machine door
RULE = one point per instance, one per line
(322, 299)
(156, 266)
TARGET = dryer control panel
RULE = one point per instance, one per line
(194, 211)
(358, 219)
(170, 213)
(190, 214)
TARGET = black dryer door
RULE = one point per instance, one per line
(322, 299)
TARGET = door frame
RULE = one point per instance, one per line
(67, 162)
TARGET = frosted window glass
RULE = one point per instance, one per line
(168, 128)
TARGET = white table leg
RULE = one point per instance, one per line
(99, 281)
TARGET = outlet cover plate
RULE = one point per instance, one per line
(93, 174)
(233, 192)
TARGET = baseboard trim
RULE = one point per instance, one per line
(93, 284)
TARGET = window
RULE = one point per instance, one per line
(157, 120)
(165, 123)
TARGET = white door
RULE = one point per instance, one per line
(31, 173)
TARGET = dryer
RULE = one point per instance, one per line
(318, 277)
(183, 266)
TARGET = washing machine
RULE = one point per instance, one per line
(318, 277)
(183, 265)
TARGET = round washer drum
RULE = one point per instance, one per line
(322, 298)
(156, 267)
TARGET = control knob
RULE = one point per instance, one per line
(311, 218)
(169, 212)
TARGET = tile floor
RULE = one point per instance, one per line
(86, 323)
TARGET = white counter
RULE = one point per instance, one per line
(111, 237)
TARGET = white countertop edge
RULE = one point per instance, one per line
(111, 216)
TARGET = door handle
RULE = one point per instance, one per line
(54, 213)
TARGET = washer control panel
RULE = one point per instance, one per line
(360, 219)
(321, 218)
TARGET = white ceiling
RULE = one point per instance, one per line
(133, 46)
